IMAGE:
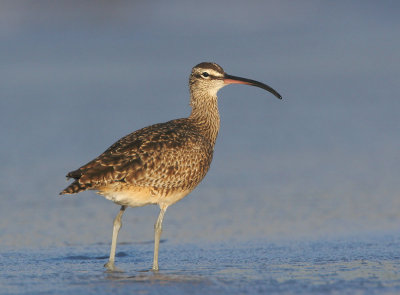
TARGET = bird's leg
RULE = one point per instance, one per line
(157, 235)
(117, 226)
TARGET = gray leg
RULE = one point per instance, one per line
(117, 225)
(157, 235)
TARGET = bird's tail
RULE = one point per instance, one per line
(74, 188)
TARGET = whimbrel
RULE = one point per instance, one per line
(162, 163)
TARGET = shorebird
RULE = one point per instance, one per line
(162, 163)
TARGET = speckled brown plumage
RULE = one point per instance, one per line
(163, 157)
(162, 163)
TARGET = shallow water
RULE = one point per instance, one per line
(367, 265)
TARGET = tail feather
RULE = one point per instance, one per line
(74, 188)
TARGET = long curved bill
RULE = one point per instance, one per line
(229, 79)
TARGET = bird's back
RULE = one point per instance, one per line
(161, 159)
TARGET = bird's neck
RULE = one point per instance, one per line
(205, 114)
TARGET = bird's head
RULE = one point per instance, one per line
(208, 77)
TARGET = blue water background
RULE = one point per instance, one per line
(302, 195)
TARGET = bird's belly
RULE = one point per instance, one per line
(142, 196)
(132, 197)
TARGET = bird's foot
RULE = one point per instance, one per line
(111, 267)
(155, 268)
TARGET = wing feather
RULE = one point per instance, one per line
(163, 155)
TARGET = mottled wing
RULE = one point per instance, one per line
(164, 156)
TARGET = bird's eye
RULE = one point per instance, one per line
(205, 74)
